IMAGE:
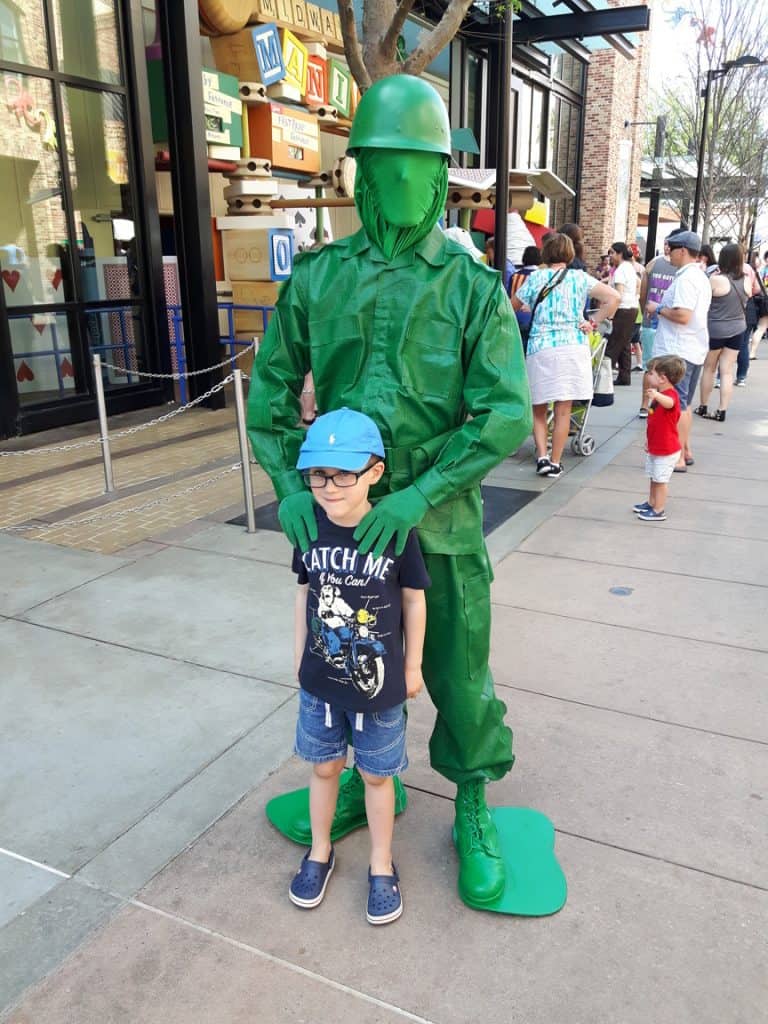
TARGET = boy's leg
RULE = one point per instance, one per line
(323, 792)
(380, 809)
(658, 497)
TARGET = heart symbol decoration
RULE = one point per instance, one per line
(24, 373)
(66, 368)
(56, 279)
(11, 278)
(39, 327)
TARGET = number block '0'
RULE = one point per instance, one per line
(258, 255)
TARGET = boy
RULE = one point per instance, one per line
(359, 635)
(663, 443)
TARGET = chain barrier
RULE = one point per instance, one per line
(179, 375)
(120, 513)
(129, 431)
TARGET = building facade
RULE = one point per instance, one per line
(110, 239)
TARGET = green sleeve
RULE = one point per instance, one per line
(279, 369)
(496, 397)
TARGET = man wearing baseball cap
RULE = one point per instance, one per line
(682, 327)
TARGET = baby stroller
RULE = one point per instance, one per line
(583, 443)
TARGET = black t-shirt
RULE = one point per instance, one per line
(353, 657)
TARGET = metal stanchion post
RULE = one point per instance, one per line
(105, 449)
(245, 455)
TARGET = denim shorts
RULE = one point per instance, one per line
(323, 733)
(686, 388)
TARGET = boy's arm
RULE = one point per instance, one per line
(414, 627)
(658, 396)
(300, 625)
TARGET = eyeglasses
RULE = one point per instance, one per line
(316, 479)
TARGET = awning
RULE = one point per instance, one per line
(521, 179)
(586, 25)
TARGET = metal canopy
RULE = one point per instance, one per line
(607, 23)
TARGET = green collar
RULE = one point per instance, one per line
(431, 249)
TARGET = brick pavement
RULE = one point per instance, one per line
(182, 464)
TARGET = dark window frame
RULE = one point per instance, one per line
(15, 417)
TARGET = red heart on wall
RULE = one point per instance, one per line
(24, 373)
(66, 368)
(11, 278)
(56, 280)
(39, 327)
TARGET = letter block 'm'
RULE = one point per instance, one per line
(269, 54)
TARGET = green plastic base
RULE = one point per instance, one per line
(289, 813)
(536, 885)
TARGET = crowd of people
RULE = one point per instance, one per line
(709, 311)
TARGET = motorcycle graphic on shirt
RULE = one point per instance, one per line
(342, 636)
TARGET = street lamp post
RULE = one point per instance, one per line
(746, 60)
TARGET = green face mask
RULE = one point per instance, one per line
(400, 195)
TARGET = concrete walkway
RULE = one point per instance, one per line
(146, 715)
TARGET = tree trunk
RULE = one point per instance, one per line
(376, 56)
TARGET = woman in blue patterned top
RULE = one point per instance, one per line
(558, 359)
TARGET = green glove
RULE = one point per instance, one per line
(393, 516)
(296, 513)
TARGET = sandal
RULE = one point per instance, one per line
(689, 460)
(543, 465)
(385, 902)
(701, 410)
(719, 415)
(310, 881)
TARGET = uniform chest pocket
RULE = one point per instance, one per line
(338, 352)
(431, 358)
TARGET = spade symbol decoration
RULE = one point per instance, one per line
(299, 219)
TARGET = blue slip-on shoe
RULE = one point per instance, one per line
(385, 901)
(651, 516)
(310, 881)
(641, 506)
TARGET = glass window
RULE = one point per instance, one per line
(87, 39)
(95, 129)
(23, 38)
(34, 247)
(118, 337)
(42, 356)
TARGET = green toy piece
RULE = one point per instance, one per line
(400, 322)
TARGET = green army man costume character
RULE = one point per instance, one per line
(403, 324)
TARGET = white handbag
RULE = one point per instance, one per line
(604, 384)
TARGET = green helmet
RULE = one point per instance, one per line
(401, 112)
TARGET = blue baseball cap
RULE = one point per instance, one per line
(343, 439)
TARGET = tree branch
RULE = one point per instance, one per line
(433, 41)
(389, 42)
(352, 49)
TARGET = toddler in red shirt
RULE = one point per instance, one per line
(663, 443)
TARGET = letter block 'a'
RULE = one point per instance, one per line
(269, 53)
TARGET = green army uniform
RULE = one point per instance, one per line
(426, 344)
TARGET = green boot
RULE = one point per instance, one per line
(350, 810)
(481, 868)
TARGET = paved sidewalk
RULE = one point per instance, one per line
(146, 715)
